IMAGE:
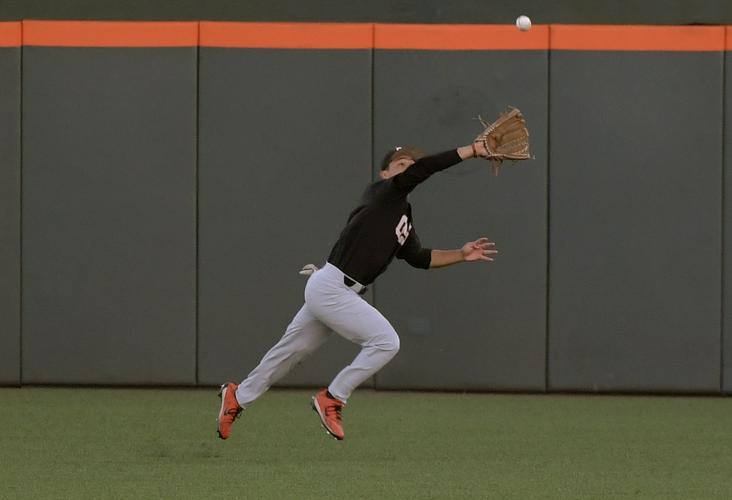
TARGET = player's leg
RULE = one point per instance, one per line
(303, 335)
(361, 323)
(349, 315)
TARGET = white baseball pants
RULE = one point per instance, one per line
(330, 306)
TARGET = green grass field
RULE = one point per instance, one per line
(145, 443)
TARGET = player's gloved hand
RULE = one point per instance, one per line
(507, 138)
(308, 269)
(479, 147)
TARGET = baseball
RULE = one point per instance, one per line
(523, 23)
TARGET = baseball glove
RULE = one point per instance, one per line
(507, 138)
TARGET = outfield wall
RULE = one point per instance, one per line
(109, 213)
(175, 176)
(636, 211)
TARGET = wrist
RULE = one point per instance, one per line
(475, 151)
(465, 152)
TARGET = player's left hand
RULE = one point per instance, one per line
(308, 269)
(480, 249)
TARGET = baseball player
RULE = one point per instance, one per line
(378, 229)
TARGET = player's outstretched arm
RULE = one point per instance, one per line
(473, 251)
(423, 168)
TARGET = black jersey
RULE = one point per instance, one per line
(380, 227)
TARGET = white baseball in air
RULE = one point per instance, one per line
(523, 23)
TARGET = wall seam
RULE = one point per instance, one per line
(548, 209)
(373, 146)
(196, 210)
(21, 50)
(722, 221)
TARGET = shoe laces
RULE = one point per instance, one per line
(334, 410)
(234, 412)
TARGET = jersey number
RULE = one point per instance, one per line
(402, 230)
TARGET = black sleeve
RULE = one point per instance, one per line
(423, 168)
(413, 252)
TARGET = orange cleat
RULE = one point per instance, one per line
(230, 409)
(329, 409)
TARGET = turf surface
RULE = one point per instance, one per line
(144, 443)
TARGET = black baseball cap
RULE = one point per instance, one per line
(400, 152)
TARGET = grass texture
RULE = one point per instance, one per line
(149, 443)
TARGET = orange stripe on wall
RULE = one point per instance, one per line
(637, 38)
(10, 34)
(287, 35)
(459, 37)
(110, 34)
(364, 36)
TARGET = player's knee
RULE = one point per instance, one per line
(395, 343)
(387, 341)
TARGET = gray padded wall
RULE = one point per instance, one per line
(284, 154)
(9, 215)
(635, 221)
(472, 326)
(727, 220)
(109, 215)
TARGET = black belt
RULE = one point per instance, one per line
(354, 285)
